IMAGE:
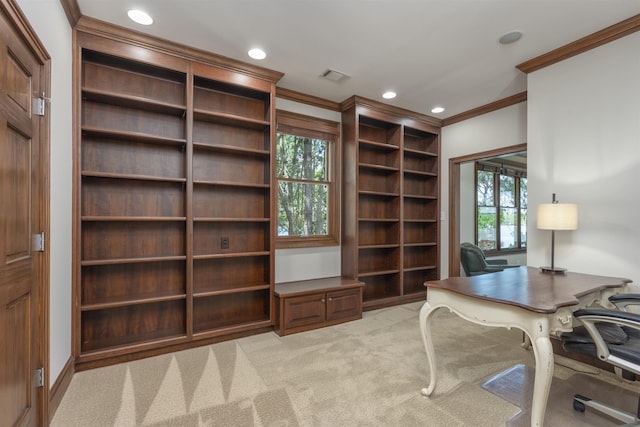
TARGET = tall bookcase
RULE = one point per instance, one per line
(390, 227)
(232, 227)
(173, 201)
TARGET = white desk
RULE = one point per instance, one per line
(525, 298)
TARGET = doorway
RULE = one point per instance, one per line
(455, 202)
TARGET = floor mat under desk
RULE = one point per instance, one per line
(515, 385)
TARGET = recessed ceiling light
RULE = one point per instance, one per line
(389, 94)
(140, 17)
(510, 37)
(437, 109)
(257, 53)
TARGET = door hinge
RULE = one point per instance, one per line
(38, 105)
(40, 377)
(37, 242)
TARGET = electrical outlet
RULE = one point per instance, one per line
(224, 243)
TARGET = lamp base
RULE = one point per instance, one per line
(553, 270)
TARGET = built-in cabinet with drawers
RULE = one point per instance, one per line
(390, 227)
(173, 198)
(316, 303)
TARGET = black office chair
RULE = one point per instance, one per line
(613, 336)
(474, 262)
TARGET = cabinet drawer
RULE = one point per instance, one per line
(316, 303)
(344, 304)
(304, 310)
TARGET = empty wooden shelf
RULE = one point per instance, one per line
(390, 228)
(174, 200)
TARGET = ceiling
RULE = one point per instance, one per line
(431, 52)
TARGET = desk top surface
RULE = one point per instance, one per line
(529, 287)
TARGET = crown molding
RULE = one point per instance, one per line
(303, 98)
(488, 108)
(609, 34)
(401, 114)
(72, 10)
(114, 32)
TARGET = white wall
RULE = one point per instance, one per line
(307, 263)
(584, 128)
(50, 23)
(498, 129)
(467, 202)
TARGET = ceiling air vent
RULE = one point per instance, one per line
(334, 76)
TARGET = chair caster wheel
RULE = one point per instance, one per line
(578, 406)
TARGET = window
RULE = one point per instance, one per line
(501, 202)
(305, 172)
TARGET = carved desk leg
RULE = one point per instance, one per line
(425, 327)
(543, 352)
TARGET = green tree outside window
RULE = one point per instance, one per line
(501, 208)
(302, 185)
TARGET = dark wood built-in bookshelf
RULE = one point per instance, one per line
(390, 228)
(174, 200)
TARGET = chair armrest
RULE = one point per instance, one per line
(622, 301)
(607, 315)
(493, 269)
(503, 263)
(487, 270)
(590, 316)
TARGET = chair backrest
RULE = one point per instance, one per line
(472, 259)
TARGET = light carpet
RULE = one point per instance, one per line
(367, 372)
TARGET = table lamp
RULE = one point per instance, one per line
(556, 216)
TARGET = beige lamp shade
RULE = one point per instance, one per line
(558, 216)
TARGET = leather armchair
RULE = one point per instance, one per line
(475, 263)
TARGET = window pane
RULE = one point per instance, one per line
(508, 223)
(487, 228)
(485, 189)
(502, 208)
(523, 192)
(302, 209)
(507, 191)
(523, 228)
(301, 158)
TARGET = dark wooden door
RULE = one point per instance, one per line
(20, 219)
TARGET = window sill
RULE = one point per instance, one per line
(305, 242)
